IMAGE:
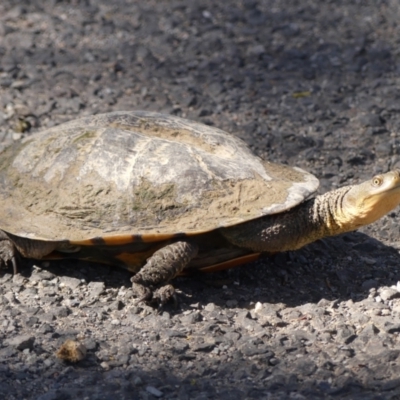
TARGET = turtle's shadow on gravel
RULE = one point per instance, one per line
(123, 384)
(343, 267)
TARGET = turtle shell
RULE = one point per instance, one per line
(126, 176)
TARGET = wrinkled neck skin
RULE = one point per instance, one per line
(330, 216)
(314, 219)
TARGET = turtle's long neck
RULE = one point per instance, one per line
(312, 220)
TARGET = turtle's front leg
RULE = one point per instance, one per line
(8, 252)
(161, 267)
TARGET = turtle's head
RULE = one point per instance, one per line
(371, 200)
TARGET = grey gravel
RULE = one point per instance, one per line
(69, 282)
(21, 342)
(96, 289)
(389, 293)
(313, 84)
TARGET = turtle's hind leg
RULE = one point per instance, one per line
(8, 252)
(13, 246)
(150, 283)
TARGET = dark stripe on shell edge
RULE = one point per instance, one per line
(117, 240)
(179, 235)
(235, 262)
(137, 238)
(97, 241)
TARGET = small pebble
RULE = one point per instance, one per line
(105, 365)
(155, 392)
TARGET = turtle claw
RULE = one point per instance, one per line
(142, 293)
(158, 297)
(14, 265)
(162, 295)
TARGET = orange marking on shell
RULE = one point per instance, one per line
(225, 265)
(122, 239)
(54, 255)
(134, 261)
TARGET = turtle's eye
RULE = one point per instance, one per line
(377, 181)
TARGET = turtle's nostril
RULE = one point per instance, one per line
(396, 174)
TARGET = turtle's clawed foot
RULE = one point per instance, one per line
(164, 265)
(142, 293)
(158, 297)
(8, 255)
(164, 294)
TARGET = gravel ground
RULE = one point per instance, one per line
(312, 83)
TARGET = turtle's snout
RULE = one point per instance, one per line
(396, 175)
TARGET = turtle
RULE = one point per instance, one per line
(164, 196)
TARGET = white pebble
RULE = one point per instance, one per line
(104, 365)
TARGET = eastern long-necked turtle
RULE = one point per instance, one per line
(160, 195)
